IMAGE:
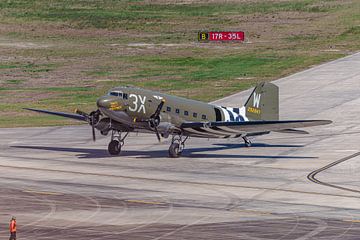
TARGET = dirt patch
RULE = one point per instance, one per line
(196, 1)
(24, 97)
(22, 45)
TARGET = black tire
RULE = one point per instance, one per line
(114, 147)
(174, 150)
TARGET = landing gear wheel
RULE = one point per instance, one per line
(114, 147)
(177, 145)
(247, 142)
(174, 150)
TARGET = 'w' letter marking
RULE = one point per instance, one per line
(256, 100)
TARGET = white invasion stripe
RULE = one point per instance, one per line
(230, 130)
(243, 113)
(201, 133)
(226, 114)
(215, 131)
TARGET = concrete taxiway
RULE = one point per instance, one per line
(61, 185)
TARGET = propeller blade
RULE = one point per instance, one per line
(158, 109)
(93, 127)
(157, 134)
(154, 120)
(91, 118)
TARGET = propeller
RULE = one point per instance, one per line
(155, 119)
(157, 134)
(91, 118)
(93, 126)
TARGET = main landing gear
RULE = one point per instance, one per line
(247, 142)
(116, 142)
(177, 145)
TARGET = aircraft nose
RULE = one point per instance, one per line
(105, 101)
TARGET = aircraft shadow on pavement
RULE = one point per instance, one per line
(198, 152)
(259, 145)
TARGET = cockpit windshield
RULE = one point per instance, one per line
(116, 94)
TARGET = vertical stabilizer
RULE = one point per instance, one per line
(263, 103)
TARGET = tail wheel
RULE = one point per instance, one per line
(247, 142)
(174, 150)
(114, 147)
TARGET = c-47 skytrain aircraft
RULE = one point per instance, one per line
(132, 109)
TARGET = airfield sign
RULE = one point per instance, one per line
(221, 36)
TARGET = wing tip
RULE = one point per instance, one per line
(31, 109)
(325, 122)
(61, 114)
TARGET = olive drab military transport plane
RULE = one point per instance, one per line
(132, 109)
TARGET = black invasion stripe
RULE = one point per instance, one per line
(239, 118)
(193, 132)
(231, 116)
(222, 130)
(233, 131)
(199, 130)
(237, 110)
(216, 130)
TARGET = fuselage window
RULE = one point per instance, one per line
(195, 115)
(177, 111)
(203, 116)
(186, 113)
(168, 109)
(125, 96)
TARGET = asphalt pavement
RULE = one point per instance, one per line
(61, 185)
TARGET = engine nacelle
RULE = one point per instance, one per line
(164, 129)
(105, 125)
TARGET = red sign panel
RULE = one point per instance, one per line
(226, 36)
(221, 36)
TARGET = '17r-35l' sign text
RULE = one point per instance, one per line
(221, 36)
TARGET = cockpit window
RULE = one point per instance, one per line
(116, 94)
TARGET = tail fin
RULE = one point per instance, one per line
(263, 103)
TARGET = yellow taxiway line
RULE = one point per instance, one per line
(352, 220)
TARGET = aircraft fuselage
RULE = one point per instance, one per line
(134, 106)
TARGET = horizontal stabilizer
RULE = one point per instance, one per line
(61, 114)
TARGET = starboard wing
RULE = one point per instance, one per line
(233, 128)
(61, 114)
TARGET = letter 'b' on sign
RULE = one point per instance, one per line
(203, 36)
